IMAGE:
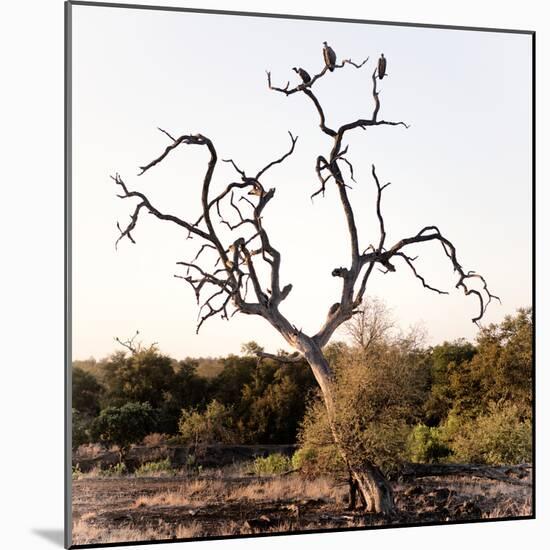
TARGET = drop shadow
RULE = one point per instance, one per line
(52, 535)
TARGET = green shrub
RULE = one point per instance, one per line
(317, 454)
(160, 467)
(272, 464)
(115, 470)
(124, 425)
(302, 458)
(192, 464)
(214, 425)
(427, 445)
(499, 437)
(175, 440)
(375, 395)
(81, 426)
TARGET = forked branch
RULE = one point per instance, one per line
(236, 259)
(234, 266)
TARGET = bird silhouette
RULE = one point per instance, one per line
(304, 75)
(381, 67)
(329, 57)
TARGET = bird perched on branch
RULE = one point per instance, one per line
(256, 189)
(304, 75)
(329, 57)
(381, 67)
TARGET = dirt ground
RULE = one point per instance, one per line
(217, 503)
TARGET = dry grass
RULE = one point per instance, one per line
(508, 499)
(202, 492)
(130, 509)
(95, 472)
(169, 498)
(86, 533)
(89, 450)
(480, 486)
(155, 440)
(512, 507)
(190, 531)
(87, 516)
(288, 488)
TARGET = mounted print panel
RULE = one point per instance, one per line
(299, 274)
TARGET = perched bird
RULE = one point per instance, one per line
(257, 188)
(381, 67)
(304, 75)
(257, 191)
(329, 56)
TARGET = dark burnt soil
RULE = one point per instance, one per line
(113, 504)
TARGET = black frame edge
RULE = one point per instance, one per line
(67, 524)
(296, 16)
(534, 266)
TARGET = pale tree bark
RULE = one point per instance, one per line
(224, 272)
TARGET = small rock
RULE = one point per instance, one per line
(441, 494)
(258, 523)
(413, 491)
(313, 501)
(468, 510)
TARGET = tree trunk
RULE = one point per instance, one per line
(366, 479)
(374, 490)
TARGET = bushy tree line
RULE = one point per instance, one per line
(396, 399)
(256, 401)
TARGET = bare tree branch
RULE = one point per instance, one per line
(280, 358)
(304, 86)
(279, 160)
(379, 188)
(409, 262)
(234, 267)
(150, 208)
(237, 263)
(132, 346)
(166, 133)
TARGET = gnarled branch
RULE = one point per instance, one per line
(236, 261)
(234, 268)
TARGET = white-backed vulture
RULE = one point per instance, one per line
(329, 57)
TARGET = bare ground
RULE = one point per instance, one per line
(221, 503)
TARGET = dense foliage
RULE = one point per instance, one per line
(378, 397)
(124, 425)
(457, 402)
(396, 399)
(262, 400)
(199, 429)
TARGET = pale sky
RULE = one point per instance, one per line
(463, 165)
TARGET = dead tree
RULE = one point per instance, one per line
(232, 283)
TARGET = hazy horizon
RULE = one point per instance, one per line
(463, 165)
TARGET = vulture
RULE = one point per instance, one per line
(381, 67)
(329, 56)
(304, 75)
(257, 190)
